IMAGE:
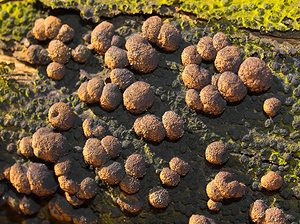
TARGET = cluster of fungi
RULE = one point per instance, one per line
(234, 77)
(205, 93)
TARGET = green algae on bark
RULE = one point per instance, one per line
(17, 18)
(189, 197)
(259, 15)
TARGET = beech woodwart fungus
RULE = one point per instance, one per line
(56, 71)
(88, 189)
(192, 99)
(63, 166)
(138, 97)
(39, 30)
(52, 26)
(101, 37)
(68, 185)
(18, 178)
(180, 166)
(169, 38)
(150, 128)
(93, 153)
(83, 93)
(94, 89)
(130, 185)
(228, 186)
(151, 28)
(220, 40)
(141, 55)
(111, 97)
(25, 147)
(130, 203)
(112, 174)
(60, 209)
(190, 55)
(257, 211)
(206, 49)
(49, 145)
(135, 166)
(214, 205)
(169, 177)
(81, 53)
(212, 101)
(200, 219)
(195, 77)
(59, 52)
(213, 192)
(159, 197)
(231, 87)
(37, 55)
(28, 206)
(112, 146)
(272, 106)
(116, 58)
(61, 116)
(41, 179)
(173, 125)
(216, 153)
(92, 129)
(122, 77)
(65, 33)
(118, 41)
(255, 74)
(274, 215)
(271, 181)
(228, 59)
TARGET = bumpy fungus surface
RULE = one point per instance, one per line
(93, 153)
(169, 177)
(61, 116)
(272, 106)
(179, 165)
(49, 145)
(231, 87)
(173, 125)
(56, 71)
(135, 166)
(92, 129)
(255, 74)
(138, 97)
(195, 77)
(212, 101)
(228, 59)
(159, 197)
(216, 153)
(190, 55)
(59, 52)
(41, 179)
(150, 128)
(271, 181)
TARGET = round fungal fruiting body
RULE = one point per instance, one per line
(272, 106)
(212, 101)
(59, 52)
(150, 128)
(255, 74)
(231, 87)
(206, 49)
(190, 55)
(228, 59)
(138, 97)
(61, 116)
(195, 77)
(56, 71)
